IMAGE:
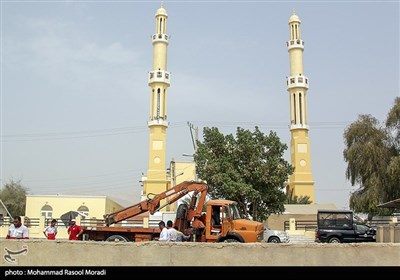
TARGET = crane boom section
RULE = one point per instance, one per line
(153, 205)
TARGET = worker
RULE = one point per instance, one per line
(181, 236)
(74, 230)
(51, 231)
(171, 231)
(17, 230)
(164, 235)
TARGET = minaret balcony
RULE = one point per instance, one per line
(297, 81)
(159, 76)
(157, 122)
(299, 126)
(164, 38)
(295, 44)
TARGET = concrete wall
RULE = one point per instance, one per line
(388, 233)
(91, 253)
(276, 221)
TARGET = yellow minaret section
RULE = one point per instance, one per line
(301, 182)
(159, 81)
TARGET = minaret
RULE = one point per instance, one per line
(301, 181)
(159, 81)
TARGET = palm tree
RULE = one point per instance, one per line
(294, 199)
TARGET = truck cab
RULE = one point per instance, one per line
(224, 223)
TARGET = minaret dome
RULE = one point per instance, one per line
(161, 11)
(294, 18)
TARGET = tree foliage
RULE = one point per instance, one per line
(372, 151)
(393, 123)
(13, 196)
(249, 169)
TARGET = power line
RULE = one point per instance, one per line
(85, 177)
(49, 136)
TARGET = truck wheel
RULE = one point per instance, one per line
(334, 240)
(231, 240)
(117, 238)
(274, 239)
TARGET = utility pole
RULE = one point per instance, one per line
(195, 138)
(196, 135)
(173, 176)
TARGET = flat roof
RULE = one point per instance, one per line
(391, 204)
(65, 195)
(306, 209)
(334, 211)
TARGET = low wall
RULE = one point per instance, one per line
(388, 233)
(91, 253)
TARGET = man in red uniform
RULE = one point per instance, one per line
(51, 231)
(74, 230)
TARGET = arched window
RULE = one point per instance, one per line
(83, 210)
(46, 211)
(300, 107)
(158, 104)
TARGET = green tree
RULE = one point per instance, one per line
(249, 169)
(393, 123)
(13, 196)
(372, 153)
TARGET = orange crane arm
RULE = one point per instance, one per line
(153, 205)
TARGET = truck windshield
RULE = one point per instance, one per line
(234, 212)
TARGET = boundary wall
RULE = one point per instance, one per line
(95, 253)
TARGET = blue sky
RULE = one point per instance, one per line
(75, 100)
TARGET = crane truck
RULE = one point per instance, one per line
(221, 222)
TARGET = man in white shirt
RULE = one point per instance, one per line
(17, 230)
(173, 234)
(164, 235)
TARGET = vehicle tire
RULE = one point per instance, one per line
(334, 240)
(117, 238)
(274, 239)
(231, 240)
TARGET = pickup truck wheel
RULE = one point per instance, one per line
(117, 238)
(274, 239)
(231, 240)
(334, 240)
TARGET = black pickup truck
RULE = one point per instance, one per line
(339, 226)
